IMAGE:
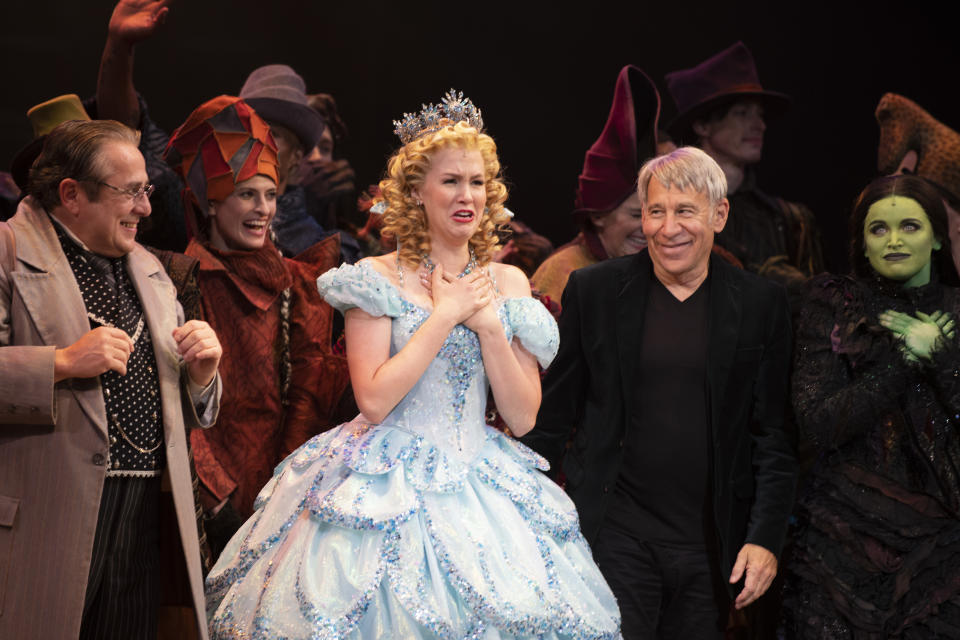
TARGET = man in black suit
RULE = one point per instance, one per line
(673, 374)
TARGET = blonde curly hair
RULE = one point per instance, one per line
(405, 220)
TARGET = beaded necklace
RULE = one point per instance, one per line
(429, 264)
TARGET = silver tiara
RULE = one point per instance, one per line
(433, 117)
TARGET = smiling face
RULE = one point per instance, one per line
(621, 230)
(241, 220)
(453, 194)
(680, 225)
(737, 137)
(898, 240)
(108, 225)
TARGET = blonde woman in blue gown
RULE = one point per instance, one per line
(417, 520)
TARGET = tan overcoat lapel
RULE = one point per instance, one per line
(52, 298)
(159, 300)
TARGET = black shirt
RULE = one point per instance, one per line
(661, 493)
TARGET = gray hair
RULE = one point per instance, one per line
(685, 168)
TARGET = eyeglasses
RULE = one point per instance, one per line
(133, 194)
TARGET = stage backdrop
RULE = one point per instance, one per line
(542, 74)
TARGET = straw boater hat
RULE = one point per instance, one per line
(222, 143)
(629, 138)
(725, 77)
(44, 117)
(905, 126)
(278, 94)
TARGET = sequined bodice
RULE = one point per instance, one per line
(447, 404)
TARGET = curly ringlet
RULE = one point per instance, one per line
(406, 170)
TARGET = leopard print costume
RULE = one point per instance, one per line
(905, 126)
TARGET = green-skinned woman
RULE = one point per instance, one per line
(876, 392)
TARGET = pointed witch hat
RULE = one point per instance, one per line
(905, 126)
(629, 138)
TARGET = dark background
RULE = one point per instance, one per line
(542, 74)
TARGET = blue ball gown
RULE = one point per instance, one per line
(429, 525)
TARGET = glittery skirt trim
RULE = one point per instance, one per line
(372, 532)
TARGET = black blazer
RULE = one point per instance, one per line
(591, 384)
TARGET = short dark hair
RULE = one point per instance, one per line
(718, 112)
(72, 150)
(927, 196)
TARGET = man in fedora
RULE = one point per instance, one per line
(672, 375)
(724, 109)
(278, 94)
(99, 379)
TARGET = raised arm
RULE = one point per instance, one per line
(131, 22)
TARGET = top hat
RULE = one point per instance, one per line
(44, 117)
(725, 77)
(629, 138)
(278, 94)
(905, 126)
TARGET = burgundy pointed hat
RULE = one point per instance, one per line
(728, 75)
(629, 138)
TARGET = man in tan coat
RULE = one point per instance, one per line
(98, 379)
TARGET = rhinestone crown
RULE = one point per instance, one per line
(433, 117)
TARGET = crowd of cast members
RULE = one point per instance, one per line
(242, 397)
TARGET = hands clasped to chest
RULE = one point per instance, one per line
(468, 300)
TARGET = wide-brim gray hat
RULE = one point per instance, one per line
(278, 94)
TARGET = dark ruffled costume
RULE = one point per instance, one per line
(877, 542)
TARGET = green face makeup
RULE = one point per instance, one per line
(899, 240)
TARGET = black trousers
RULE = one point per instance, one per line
(122, 590)
(664, 592)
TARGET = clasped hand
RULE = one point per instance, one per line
(467, 300)
(920, 336)
(108, 349)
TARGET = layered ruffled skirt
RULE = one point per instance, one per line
(871, 560)
(372, 532)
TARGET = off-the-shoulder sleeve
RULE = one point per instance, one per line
(530, 321)
(349, 286)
